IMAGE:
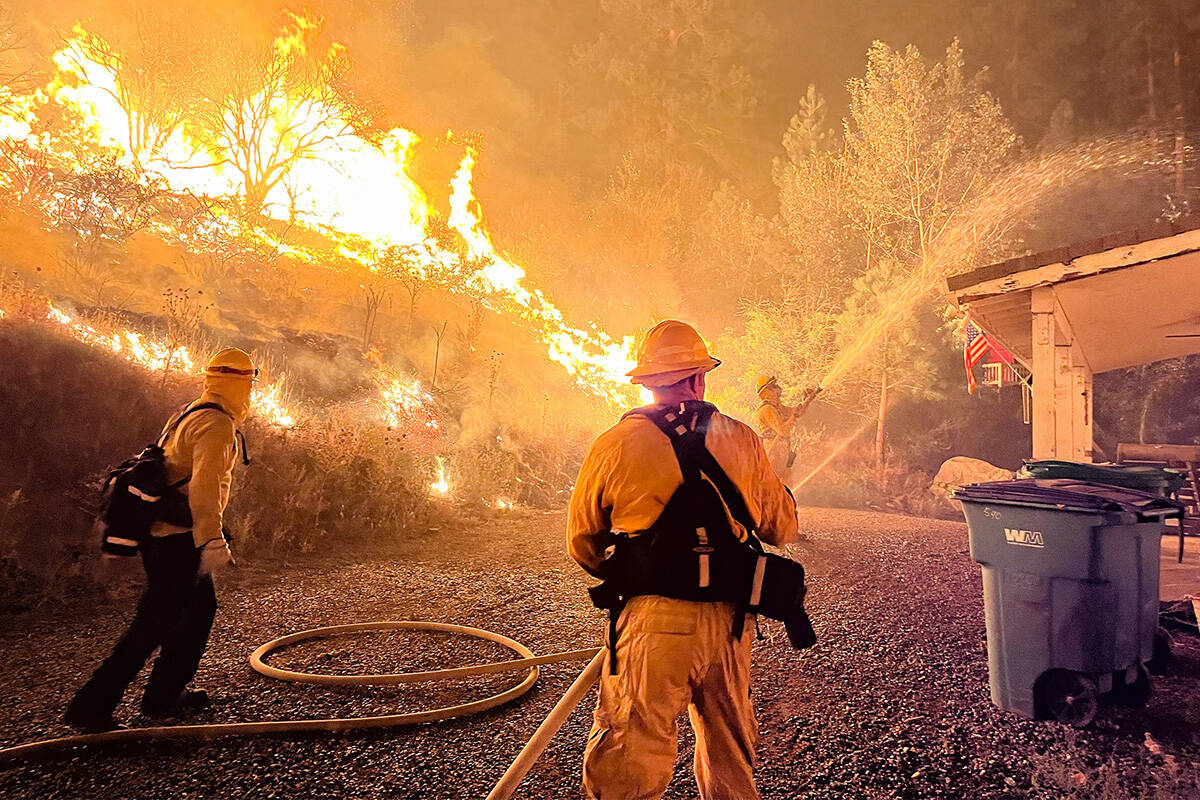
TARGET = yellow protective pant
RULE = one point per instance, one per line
(671, 655)
(779, 450)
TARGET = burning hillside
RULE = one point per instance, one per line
(271, 157)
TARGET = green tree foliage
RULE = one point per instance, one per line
(792, 335)
(867, 212)
(921, 141)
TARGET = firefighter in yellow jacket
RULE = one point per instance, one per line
(179, 604)
(777, 421)
(672, 654)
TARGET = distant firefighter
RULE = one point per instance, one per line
(666, 505)
(182, 548)
(777, 421)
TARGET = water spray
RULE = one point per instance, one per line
(837, 451)
(981, 221)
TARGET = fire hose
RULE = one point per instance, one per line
(36, 751)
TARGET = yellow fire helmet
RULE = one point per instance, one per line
(766, 382)
(231, 363)
(670, 352)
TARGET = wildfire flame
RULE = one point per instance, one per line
(440, 486)
(594, 358)
(344, 184)
(153, 355)
(267, 402)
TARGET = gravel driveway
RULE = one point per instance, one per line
(893, 703)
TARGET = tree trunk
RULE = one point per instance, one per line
(1180, 127)
(1144, 416)
(1151, 99)
(882, 419)
(437, 354)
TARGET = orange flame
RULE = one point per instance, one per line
(343, 184)
(441, 486)
(266, 401)
(268, 405)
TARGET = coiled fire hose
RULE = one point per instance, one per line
(36, 751)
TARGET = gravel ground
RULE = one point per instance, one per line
(893, 703)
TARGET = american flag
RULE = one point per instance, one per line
(974, 350)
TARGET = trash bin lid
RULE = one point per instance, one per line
(1066, 494)
(1145, 477)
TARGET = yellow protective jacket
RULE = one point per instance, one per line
(631, 472)
(776, 420)
(203, 445)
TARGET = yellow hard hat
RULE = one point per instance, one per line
(230, 363)
(670, 352)
(764, 381)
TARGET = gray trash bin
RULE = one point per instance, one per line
(1070, 588)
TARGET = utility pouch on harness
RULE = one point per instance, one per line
(777, 591)
(136, 494)
(691, 551)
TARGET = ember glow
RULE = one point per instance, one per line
(441, 486)
(143, 351)
(155, 356)
(355, 190)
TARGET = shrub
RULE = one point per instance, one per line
(68, 412)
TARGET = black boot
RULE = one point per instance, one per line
(189, 701)
(86, 720)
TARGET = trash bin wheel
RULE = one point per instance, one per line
(1136, 694)
(1069, 697)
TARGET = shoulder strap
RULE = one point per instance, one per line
(171, 426)
(686, 427)
(187, 412)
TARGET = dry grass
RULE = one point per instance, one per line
(1148, 772)
(68, 412)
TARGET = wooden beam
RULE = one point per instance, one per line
(1082, 266)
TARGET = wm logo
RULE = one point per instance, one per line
(1024, 538)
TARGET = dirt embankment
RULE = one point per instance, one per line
(893, 703)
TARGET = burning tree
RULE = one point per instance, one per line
(153, 83)
(274, 107)
(16, 76)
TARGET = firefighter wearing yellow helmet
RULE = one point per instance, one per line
(667, 653)
(185, 547)
(776, 422)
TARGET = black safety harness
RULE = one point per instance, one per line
(136, 493)
(691, 552)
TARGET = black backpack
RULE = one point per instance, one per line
(137, 494)
(691, 552)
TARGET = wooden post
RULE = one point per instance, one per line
(1042, 306)
(1062, 384)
